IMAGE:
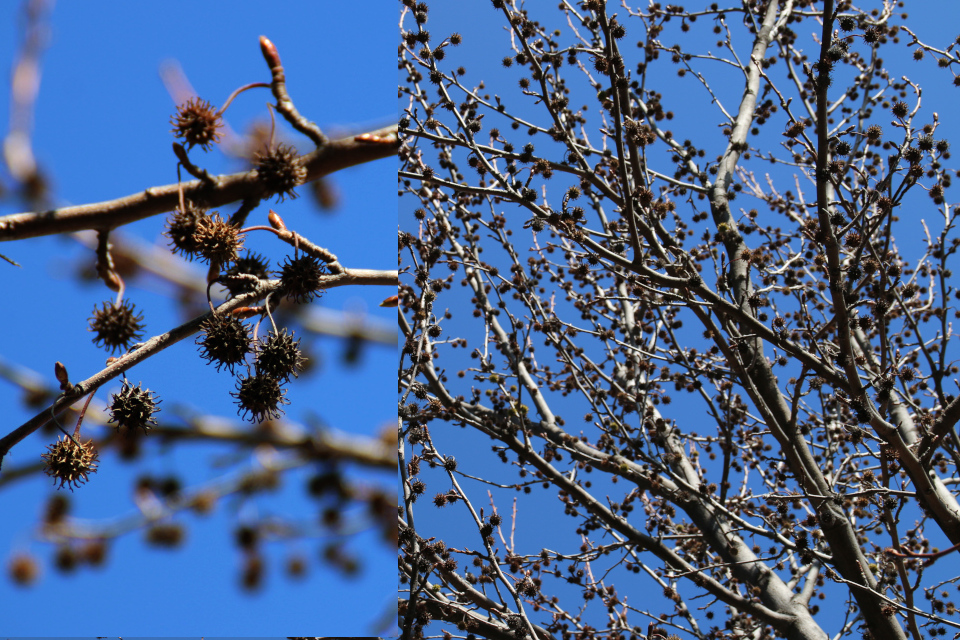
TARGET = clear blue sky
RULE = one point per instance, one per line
(541, 522)
(102, 131)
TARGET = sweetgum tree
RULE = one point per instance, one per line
(677, 309)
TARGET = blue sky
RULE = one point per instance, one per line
(541, 522)
(102, 131)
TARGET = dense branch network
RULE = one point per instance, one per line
(603, 265)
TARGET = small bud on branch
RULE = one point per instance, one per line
(276, 221)
(60, 372)
(269, 52)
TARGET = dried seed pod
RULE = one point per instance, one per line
(197, 122)
(279, 170)
(133, 407)
(70, 462)
(300, 278)
(116, 325)
(217, 240)
(251, 264)
(280, 356)
(260, 396)
(182, 229)
(225, 341)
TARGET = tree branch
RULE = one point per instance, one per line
(161, 342)
(335, 155)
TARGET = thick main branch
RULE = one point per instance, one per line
(335, 155)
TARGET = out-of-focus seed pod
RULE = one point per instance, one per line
(116, 325)
(280, 170)
(70, 462)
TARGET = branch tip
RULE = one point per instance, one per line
(269, 52)
(276, 221)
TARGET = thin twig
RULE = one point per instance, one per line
(233, 95)
(284, 104)
(297, 241)
(201, 174)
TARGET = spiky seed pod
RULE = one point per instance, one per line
(300, 278)
(280, 356)
(279, 170)
(133, 407)
(182, 229)
(225, 340)
(217, 240)
(70, 462)
(260, 396)
(116, 325)
(252, 264)
(197, 122)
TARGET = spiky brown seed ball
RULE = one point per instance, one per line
(251, 264)
(197, 122)
(116, 325)
(300, 278)
(182, 229)
(280, 356)
(280, 170)
(133, 407)
(260, 396)
(70, 462)
(217, 240)
(225, 340)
